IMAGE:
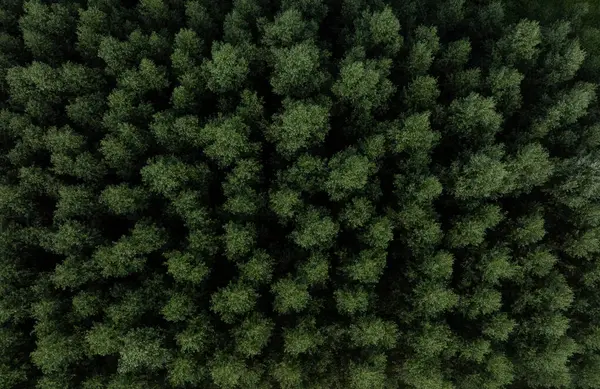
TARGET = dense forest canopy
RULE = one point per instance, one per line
(299, 194)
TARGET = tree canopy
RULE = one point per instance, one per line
(299, 194)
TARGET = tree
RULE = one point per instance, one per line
(299, 194)
(421, 93)
(129, 253)
(304, 338)
(373, 332)
(48, 29)
(186, 267)
(142, 349)
(380, 30)
(349, 172)
(123, 199)
(239, 240)
(414, 134)
(290, 295)
(315, 229)
(505, 84)
(520, 44)
(226, 140)
(484, 175)
(167, 175)
(253, 335)
(289, 27)
(364, 85)
(258, 269)
(299, 126)
(474, 116)
(297, 70)
(178, 307)
(227, 69)
(456, 55)
(471, 229)
(423, 51)
(235, 299)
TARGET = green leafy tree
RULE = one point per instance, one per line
(233, 300)
(422, 52)
(186, 267)
(290, 295)
(521, 43)
(226, 140)
(297, 70)
(299, 126)
(364, 85)
(315, 229)
(289, 27)
(253, 335)
(48, 29)
(349, 172)
(142, 349)
(227, 69)
(129, 254)
(380, 30)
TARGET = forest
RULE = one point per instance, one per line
(299, 194)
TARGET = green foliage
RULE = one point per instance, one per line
(123, 199)
(368, 267)
(314, 271)
(364, 85)
(308, 173)
(415, 134)
(380, 29)
(253, 335)
(285, 203)
(167, 175)
(421, 93)
(568, 109)
(196, 337)
(349, 172)
(373, 332)
(370, 374)
(299, 126)
(305, 338)
(226, 140)
(530, 168)
(103, 339)
(423, 51)
(186, 267)
(178, 307)
(228, 68)
(290, 296)
(55, 352)
(288, 28)
(351, 301)
(142, 349)
(258, 269)
(296, 70)
(483, 175)
(233, 300)
(505, 85)
(239, 240)
(47, 28)
(315, 229)
(227, 371)
(471, 229)
(299, 194)
(186, 371)
(456, 54)
(129, 253)
(521, 43)
(474, 116)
